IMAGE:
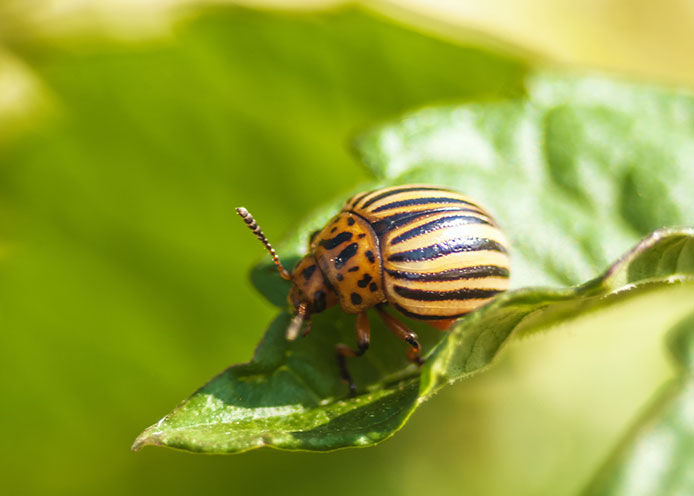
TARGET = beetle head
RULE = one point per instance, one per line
(310, 292)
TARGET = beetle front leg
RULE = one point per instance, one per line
(343, 351)
(402, 332)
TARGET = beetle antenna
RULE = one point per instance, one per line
(253, 226)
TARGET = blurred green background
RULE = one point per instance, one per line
(129, 131)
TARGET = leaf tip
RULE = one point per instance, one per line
(147, 438)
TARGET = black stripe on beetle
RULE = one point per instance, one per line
(345, 255)
(395, 192)
(457, 294)
(435, 225)
(369, 254)
(361, 196)
(353, 269)
(444, 248)
(401, 219)
(422, 316)
(472, 272)
(332, 243)
(420, 201)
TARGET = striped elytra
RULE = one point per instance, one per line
(431, 253)
(443, 255)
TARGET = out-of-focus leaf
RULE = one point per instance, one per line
(287, 396)
(656, 456)
(122, 263)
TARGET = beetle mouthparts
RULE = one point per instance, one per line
(295, 326)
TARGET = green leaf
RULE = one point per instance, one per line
(656, 455)
(576, 173)
(287, 396)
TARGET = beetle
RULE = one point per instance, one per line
(429, 252)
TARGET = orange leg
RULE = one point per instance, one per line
(307, 327)
(402, 332)
(343, 351)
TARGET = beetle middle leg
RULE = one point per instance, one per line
(402, 332)
(343, 351)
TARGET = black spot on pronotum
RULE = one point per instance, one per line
(362, 283)
(350, 221)
(373, 287)
(308, 272)
(356, 299)
(369, 254)
(332, 243)
(353, 269)
(319, 301)
(345, 255)
(340, 277)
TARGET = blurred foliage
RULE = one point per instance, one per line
(651, 40)
(640, 37)
(123, 269)
(656, 457)
(584, 150)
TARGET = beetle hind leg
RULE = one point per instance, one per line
(402, 332)
(343, 351)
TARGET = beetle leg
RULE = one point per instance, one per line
(307, 327)
(343, 351)
(402, 332)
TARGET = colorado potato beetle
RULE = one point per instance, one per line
(429, 252)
